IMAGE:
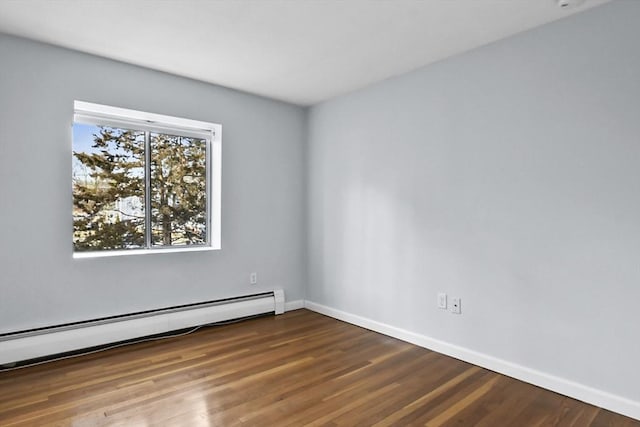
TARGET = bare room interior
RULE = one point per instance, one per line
(320, 212)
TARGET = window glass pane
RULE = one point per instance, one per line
(178, 190)
(108, 188)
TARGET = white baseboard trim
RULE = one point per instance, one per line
(293, 305)
(560, 385)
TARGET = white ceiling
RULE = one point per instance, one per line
(303, 51)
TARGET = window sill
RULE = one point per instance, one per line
(102, 254)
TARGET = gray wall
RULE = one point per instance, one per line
(508, 176)
(262, 191)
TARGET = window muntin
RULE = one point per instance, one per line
(143, 181)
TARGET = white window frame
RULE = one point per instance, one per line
(105, 115)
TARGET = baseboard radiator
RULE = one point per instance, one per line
(41, 342)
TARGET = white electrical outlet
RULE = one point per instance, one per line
(442, 300)
(253, 278)
(456, 305)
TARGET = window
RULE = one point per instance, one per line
(143, 182)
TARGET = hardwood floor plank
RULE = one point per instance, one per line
(463, 403)
(411, 407)
(300, 368)
(501, 407)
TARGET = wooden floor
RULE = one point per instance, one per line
(297, 369)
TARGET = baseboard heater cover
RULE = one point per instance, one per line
(35, 343)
